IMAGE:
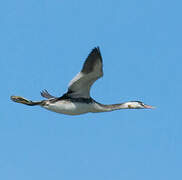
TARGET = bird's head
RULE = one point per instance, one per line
(137, 105)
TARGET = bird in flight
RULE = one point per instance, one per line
(77, 99)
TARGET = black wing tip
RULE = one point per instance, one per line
(96, 47)
(93, 57)
(96, 51)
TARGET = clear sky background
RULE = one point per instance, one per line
(43, 44)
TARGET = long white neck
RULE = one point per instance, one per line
(105, 108)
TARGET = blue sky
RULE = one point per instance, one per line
(44, 44)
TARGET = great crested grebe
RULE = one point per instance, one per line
(77, 100)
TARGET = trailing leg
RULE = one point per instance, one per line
(22, 100)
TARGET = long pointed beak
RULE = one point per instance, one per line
(148, 107)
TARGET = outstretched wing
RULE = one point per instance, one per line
(46, 94)
(92, 70)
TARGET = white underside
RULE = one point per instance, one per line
(72, 108)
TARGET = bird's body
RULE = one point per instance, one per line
(70, 107)
(77, 100)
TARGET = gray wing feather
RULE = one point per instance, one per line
(46, 94)
(92, 70)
